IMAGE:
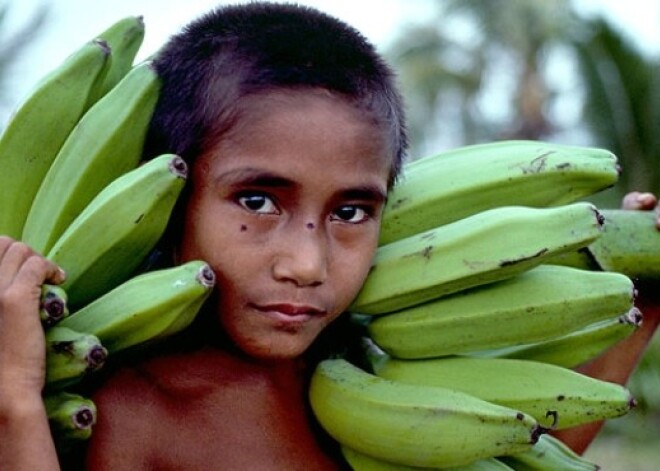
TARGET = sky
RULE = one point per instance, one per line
(72, 22)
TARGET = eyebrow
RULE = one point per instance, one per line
(261, 178)
(256, 177)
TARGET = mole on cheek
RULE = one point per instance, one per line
(243, 228)
(309, 225)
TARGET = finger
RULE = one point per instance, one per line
(36, 270)
(20, 263)
(5, 242)
(12, 259)
(639, 200)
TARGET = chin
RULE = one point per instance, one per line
(288, 348)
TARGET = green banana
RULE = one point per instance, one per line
(556, 397)
(106, 143)
(630, 244)
(71, 417)
(108, 240)
(124, 38)
(578, 347)
(53, 305)
(361, 462)
(71, 355)
(489, 246)
(413, 425)
(39, 127)
(455, 184)
(549, 454)
(146, 307)
(542, 303)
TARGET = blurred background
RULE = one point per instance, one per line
(583, 72)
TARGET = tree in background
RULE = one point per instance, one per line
(14, 40)
(476, 71)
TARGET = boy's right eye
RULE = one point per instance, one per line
(257, 203)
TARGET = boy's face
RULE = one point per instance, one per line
(286, 209)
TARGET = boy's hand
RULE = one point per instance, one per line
(648, 299)
(642, 201)
(22, 345)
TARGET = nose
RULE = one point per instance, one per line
(302, 257)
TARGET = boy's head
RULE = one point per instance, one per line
(238, 51)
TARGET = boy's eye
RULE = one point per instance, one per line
(352, 214)
(258, 203)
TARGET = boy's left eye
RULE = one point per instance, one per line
(258, 203)
(350, 213)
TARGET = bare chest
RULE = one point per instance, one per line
(238, 431)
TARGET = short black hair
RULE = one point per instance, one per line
(235, 51)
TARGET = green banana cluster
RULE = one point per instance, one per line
(74, 189)
(540, 304)
(455, 184)
(489, 246)
(576, 347)
(414, 425)
(556, 397)
(492, 280)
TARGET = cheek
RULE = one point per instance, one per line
(354, 266)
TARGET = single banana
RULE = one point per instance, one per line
(455, 184)
(106, 143)
(413, 425)
(489, 246)
(71, 417)
(578, 347)
(70, 356)
(556, 397)
(109, 239)
(542, 303)
(146, 307)
(53, 306)
(39, 127)
(629, 244)
(549, 454)
(361, 462)
(124, 38)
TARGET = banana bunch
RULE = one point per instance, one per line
(414, 425)
(485, 291)
(576, 347)
(542, 303)
(73, 189)
(489, 246)
(452, 185)
(556, 397)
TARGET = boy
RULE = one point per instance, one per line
(294, 131)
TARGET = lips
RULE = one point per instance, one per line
(290, 310)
